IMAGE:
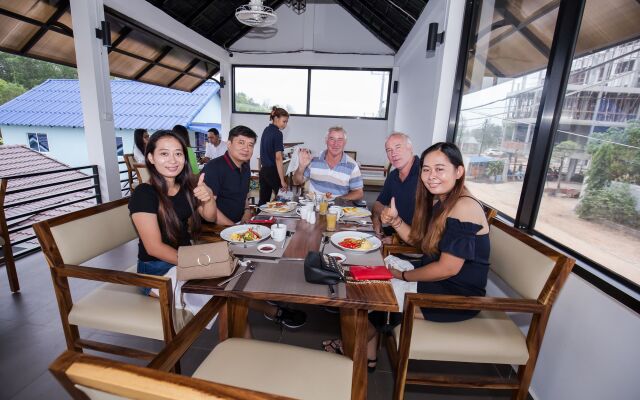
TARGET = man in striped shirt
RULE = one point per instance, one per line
(332, 171)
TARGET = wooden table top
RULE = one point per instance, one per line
(307, 237)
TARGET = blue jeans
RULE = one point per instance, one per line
(157, 267)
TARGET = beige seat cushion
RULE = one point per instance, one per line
(123, 309)
(490, 337)
(278, 368)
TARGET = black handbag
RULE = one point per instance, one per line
(323, 269)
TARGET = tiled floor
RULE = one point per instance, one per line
(31, 337)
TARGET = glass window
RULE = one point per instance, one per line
(349, 93)
(503, 85)
(259, 89)
(119, 146)
(591, 200)
(38, 142)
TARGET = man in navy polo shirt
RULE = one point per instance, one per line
(228, 176)
(401, 183)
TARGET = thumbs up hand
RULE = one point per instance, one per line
(390, 214)
(202, 191)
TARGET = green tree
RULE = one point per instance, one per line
(615, 163)
(495, 168)
(9, 91)
(488, 135)
(247, 104)
(29, 72)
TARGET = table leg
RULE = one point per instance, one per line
(237, 311)
(353, 324)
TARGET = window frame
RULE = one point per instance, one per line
(568, 24)
(37, 137)
(308, 105)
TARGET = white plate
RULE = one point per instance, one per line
(338, 237)
(280, 210)
(356, 212)
(266, 248)
(311, 197)
(338, 256)
(263, 231)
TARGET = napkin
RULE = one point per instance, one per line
(401, 287)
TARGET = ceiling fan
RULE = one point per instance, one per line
(256, 14)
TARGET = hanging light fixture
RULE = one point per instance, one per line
(298, 6)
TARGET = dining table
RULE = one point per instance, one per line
(282, 280)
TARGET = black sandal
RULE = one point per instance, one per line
(333, 346)
(370, 367)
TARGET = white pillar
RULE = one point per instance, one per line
(225, 99)
(95, 93)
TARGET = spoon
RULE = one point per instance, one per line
(250, 268)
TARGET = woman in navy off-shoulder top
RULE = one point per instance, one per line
(450, 227)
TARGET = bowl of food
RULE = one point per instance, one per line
(338, 256)
(266, 248)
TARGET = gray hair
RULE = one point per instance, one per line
(336, 128)
(400, 135)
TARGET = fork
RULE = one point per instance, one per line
(250, 268)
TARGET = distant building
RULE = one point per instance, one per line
(48, 118)
(603, 92)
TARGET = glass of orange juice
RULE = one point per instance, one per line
(332, 218)
(324, 204)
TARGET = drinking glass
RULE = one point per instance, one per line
(332, 218)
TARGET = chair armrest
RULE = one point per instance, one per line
(473, 303)
(399, 248)
(167, 358)
(112, 276)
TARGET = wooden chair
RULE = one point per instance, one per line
(397, 246)
(90, 377)
(131, 172)
(142, 173)
(5, 243)
(532, 270)
(352, 154)
(118, 305)
(255, 366)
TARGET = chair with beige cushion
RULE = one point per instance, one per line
(257, 367)
(533, 271)
(118, 305)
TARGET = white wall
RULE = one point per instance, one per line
(66, 145)
(591, 350)
(325, 26)
(426, 81)
(364, 136)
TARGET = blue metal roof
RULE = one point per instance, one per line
(56, 102)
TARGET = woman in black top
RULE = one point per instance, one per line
(272, 176)
(162, 209)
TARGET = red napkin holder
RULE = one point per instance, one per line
(367, 273)
(261, 220)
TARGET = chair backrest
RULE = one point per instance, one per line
(129, 161)
(98, 378)
(85, 234)
(143, 174)
(519, 260)
(352, 154)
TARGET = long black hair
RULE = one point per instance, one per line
(168, 219)
(138, 139)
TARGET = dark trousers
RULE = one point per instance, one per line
(269, 183)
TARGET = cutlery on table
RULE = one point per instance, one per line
(250, 268)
